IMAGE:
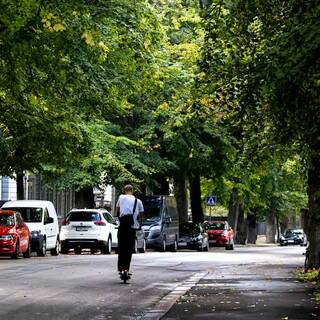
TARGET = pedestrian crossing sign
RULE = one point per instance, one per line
(211, 201)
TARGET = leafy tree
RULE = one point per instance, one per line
(267, 74)
(63, 66)
(185, 132)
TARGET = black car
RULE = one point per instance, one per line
(193, 236)
(293, 236)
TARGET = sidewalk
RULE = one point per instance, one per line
(247, 293)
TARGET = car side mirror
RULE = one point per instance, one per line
(49, 220)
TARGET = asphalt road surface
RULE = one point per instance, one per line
(87, 286)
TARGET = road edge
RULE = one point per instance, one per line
(166, 303)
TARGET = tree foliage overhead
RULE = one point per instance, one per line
(262, 74)
(63, 66)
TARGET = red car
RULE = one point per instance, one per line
(14, 235)
(220, 234)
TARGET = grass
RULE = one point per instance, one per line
(312, 276)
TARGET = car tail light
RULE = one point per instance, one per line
(100, 223)
(65, 222)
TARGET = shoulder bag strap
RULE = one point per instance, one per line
(135, 205)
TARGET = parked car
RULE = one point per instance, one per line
(220, 234)
(293, 236)
(160, 223)
(93, 229)
(15, 236)
(193, 236)
(42, 221)
(140, 244)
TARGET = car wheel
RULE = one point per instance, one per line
(63, 248)
(55, 251)
(77, 250)
(144, 247)
(93, 250)
(135, 246)
(27, 254)
(174, 247)
(163, 247)
(43, 251)
(106, 248)
(15, 255)
(230, 246)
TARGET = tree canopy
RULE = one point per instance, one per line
(105, 92)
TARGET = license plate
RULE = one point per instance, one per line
(82, 229)
(182, 244)
(290, 241)
(212, 241)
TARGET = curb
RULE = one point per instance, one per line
(166, 303)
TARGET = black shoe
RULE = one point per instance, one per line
(124, 275)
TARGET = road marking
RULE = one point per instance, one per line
(166, 303)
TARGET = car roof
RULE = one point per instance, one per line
(89, 210)
(27, 203)
(217, 221)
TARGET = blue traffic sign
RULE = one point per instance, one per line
(211, 201)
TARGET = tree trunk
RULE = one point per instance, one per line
(313, 229)
(20, 186)
(180, 192)
(305, 219)
(234, 206)
(251, 227)
(241, 235)
(271, 228)
(195, 197)
(84, 198)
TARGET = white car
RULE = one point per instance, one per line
(93, 229)
(42, 221)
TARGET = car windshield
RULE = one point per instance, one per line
(30, 214)
(84, 216)
(151, 214)
(216, 226)
(290, 233)
(152, 211)
(6, 220)
(189, 229)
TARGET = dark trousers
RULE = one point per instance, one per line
(126, 240)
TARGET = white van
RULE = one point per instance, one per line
(41, 218)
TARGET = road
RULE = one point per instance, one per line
(87, 286)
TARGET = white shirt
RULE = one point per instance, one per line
(126, 204)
